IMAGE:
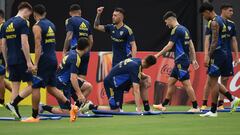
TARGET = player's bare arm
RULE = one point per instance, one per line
(74, 82)
(193, 55)
(67, 41)
(97, 24)
(4, 50)
(26, 51)
(235, 50)
(136, 91)
(167, 48)
(213, 46)
(134, 48)
(38, 49)
(90, 40)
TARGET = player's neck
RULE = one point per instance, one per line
(80, 53)
(225, 18)
(119, 25)
(175, 24)
(213, 15)
(78, 15)
(20, 15)
(40, 18)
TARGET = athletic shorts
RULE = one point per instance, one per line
(18, 73)
(115, 95)
(220, 65)
(68, 92)
(181, 70)
(46, 75)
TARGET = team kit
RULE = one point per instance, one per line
(67, 80)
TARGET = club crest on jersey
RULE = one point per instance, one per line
(121, 33)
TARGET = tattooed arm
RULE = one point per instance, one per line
(97, 25)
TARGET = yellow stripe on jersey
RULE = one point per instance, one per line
(66, 21)
(173, 30)
(78, 61)
(129, 29)
(209, 24)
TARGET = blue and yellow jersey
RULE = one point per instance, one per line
(12, 31)
(48, 42)
(223, 31)
(231, 33)
(127, 70)
(2, 62)
(121, 39)
(70, 64)
(80, 28)
(180, 36)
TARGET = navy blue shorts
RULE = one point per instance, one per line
(2, 65)
(46, 75)
(181, 71)
(18, 73)
(68, 92)
(115, 95)
(84, 64)
(220, 65)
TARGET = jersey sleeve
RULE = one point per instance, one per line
(69, 25)
(24, 29)
(1, 31)
(108, 28)
(89, 29)
(234, 32)
(135, 74)
(130, 36)
(208, 28)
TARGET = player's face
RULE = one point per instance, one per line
(206, 15)
(26, 13)
(228, 13)
(117, 17)
(169, 23)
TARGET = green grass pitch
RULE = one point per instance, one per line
(225, 124)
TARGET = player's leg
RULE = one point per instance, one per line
(190, 91)
(144, 85)
(170, 91)
(2, 90)
(224, 81)
(206, 93)
(8, 86)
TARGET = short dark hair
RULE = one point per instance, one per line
(225, 6)
(206, 6)
(151, 60)
(74, 7)
(2, 15)
(121, 10)
(40, 9)
(169, 14)
(82, 43)
(23, 5)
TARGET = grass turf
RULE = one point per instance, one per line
(225, 124)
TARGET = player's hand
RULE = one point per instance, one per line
(30, 67)
(82, 98)
(195, 65)
(100, 10)
(34, 71)
(236, 62)
(206, 61)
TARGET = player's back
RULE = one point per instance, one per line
(231, 32)
(64, 73)
(48, 43)
(80, 28)
(181, 38)
(12, 30)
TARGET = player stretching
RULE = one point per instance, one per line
(45, 64)
(216, 60)
(77, 27)
(3, 83)
(16, 52)
(123, 42)
(226, 14)
(132, 67)
(181, 43)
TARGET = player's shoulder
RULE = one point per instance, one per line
(128, 29)
(174, 30)
(68, 20)
(85, 20)
(231, 22)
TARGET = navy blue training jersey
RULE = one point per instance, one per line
(48, 42)
(180, 36)
(80, 28)
(12, 31)
(121, 39)
(223, 30)
(127, 70)
(231, 33)
(1, 30)
(70, 64)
